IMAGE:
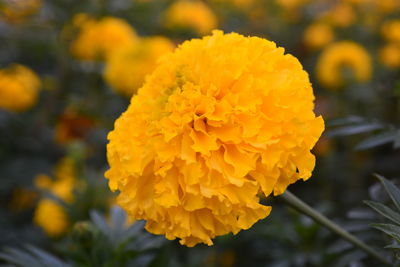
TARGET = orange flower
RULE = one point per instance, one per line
(219, 120)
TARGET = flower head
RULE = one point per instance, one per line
(389, 55)
(341, 15)
(19, 87)
(127, 68)
(18, 10)
(340, 57)
(192, 15)
(98, 39)
(391, 30)
(236, 3)
(318, 35)
(218, 121)
(49, 213)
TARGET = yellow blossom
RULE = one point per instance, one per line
(193, 15)
(18, 10)
(218, 121)
(340, 57)
(19, 87)
(98, 39)
(127, 68)
(389, 55)
(50, 214)
(341, 15)
(291, 4)
(388, 6)
(318, 35)
(237, 3)
(391, 30)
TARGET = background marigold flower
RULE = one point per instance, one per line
(236, 3)
(192, 15)
(98, 39)
(318, 35)
(127, 68)
(19, 87)
(341, 15)
(219, 120)
(389, 55)
(340, 57)
(391, 30)
(51, 217)
(50, 214)
(291, 4)
(18, 10)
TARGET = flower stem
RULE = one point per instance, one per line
(304, 208)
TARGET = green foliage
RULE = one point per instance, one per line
(31, 256)
(352, 125)
(99, 242)
(390, 229)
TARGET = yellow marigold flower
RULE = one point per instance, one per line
(391, 30)
(219, 120)
(49, 214)
(193, 15)
(98, 39)
(291, 4)
(340, 57)
(388, 6)
(18, 10)
(51, 217)
(19, 87)
(43, 181)
(127, 68)
(318, 35)
(341, 15)
(389, 55)
(237, 3)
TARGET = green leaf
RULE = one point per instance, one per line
(377, 140)
(46, 258)
(31, 257)
(393, 191)
(393, 246)
(390, 229)
(396, 144)
(355, 129)
(352, 119)
(385, 211)
(100, 222)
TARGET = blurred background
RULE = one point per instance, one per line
(68, 69)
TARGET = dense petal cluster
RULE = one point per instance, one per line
(318, 35)
(193, 15)
(126, 69)
(19, 87)
(219, 120)
(340, 57)
(49, 213)
(98, 39)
